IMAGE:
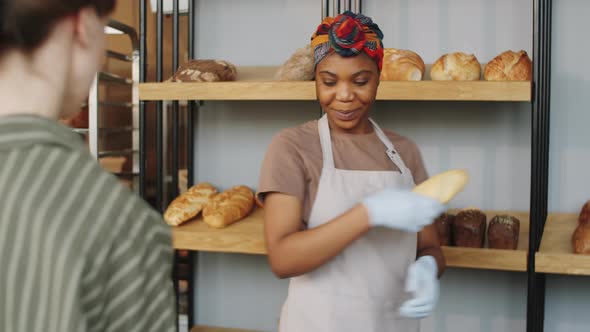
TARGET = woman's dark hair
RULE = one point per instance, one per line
(25, 24)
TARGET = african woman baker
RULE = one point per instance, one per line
(340, 219)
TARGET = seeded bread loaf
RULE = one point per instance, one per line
(469, 228)
(503, 232)
(444, 225)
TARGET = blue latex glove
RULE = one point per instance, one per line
(422, 281)
(402, 210)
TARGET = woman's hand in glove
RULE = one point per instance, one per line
(402, 210)
(422, 281)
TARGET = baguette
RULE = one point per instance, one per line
(444, 186)
(228, 207)
(189, 204)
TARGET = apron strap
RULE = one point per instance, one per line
(390, 149)
(326, 144)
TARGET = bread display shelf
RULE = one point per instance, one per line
(257, 83)
(556, 254)
(493, 259)
(216, 329)
(246, 237)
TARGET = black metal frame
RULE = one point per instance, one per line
(192, 109)
(540, 121)
(142, 104)
(161, 200)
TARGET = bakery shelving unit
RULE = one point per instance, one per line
(255, 83)
(97, 103)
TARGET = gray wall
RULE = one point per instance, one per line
(491, 140)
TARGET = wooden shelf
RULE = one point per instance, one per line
(556, 254)
(257, 83)
(246, 237)
(493, 259)
(216, 329)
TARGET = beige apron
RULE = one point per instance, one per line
(361, 289)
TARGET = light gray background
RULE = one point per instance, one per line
(491, 140)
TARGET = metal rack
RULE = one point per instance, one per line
(540, 115)
(185, 260)
(96, 103)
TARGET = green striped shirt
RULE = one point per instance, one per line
(78, 251)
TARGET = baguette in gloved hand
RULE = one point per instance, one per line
(401, 210)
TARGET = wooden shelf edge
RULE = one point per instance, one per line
(217, 329)
(486, 259)
(518, 91)
(571, 264)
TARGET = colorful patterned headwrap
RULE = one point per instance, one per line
(348, 34)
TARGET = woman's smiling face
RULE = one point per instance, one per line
(346, 88)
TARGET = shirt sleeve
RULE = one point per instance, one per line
(416, 164)
(282, 169)
(139, 287)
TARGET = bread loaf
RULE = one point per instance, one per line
(581, 239)
(205, 71)
(299, 67)
(503, 232)
(509, 66)
(581, 236)
(228, 207)
(584, 216)
(189, 204)
(444, 225)
(444, 186)
(401, 65)
(456, 67)
(469, 229)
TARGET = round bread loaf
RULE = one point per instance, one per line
(299, 66)
(402, 65)
(456, 66)
(509, 66)
(205, 71)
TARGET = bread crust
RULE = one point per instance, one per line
(402, 65)
(581, 236)
(189, 204)
(509, 66)
(228, 207)
(456, 66)
(205, 71)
